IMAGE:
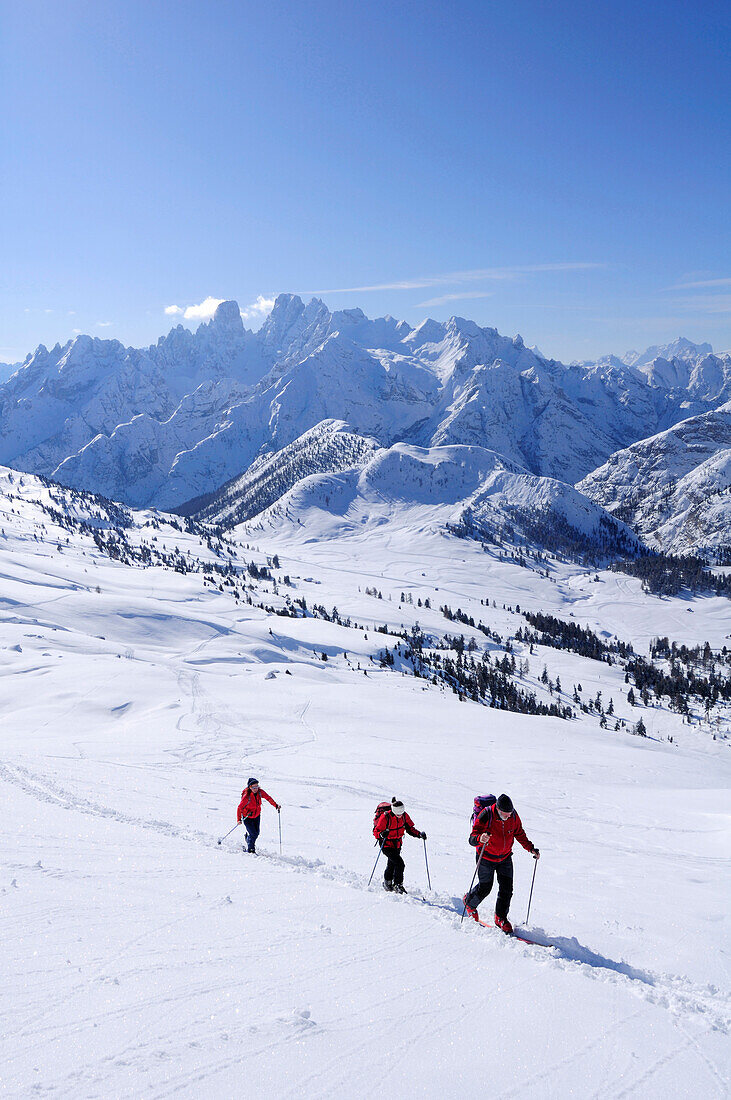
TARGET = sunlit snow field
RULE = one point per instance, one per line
(141, 958)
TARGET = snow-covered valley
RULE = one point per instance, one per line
(138, 693)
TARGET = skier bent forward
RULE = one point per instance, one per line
(493, 833)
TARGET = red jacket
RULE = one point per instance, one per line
(250, 804)
(502, 834)
(394, 825)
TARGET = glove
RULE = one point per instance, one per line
(535, 853)
(423, 836)
(382, 837)
(484, 837)
(279, 808)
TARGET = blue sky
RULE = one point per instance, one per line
(559, 170)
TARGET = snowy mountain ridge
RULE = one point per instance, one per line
(333, 476)
(160, 425)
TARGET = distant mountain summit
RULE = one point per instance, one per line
(158, 426)
(678, 349)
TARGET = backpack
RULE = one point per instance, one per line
(482, 801)
(380, 808)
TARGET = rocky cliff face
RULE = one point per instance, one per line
(675, 487)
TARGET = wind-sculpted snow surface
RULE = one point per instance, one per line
(674, 489)
(161, 425)
(140, 958)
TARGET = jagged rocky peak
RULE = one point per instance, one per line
(291, 326)
(228, 317)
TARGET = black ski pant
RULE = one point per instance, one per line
(394, 873)
(485, 877)
(253, 824)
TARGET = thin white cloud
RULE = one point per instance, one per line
(258, 309)
(460, 297)
(205, 309)
(201, 312)
(705, 303)
(701, 285)
(104, 324)
(452, 277)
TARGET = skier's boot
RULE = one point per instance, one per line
(504, 925)
(398, 888)
(387, 885)
(469, 909)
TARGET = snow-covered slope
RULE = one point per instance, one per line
(141, 958)
(471, 490)
(329, 447)
(161, 425)
(674, 488)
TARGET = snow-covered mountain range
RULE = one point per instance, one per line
(161, 425)
(331, 476)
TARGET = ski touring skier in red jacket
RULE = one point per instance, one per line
(493, 833)
(249, 811)
(389, 828)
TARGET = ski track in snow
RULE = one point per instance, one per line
(144, 960)
(674, 993)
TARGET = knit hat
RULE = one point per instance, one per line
(505, 803)
(397, 807)
(250, 781)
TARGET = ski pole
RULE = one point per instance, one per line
(229, 832)
(535, 868)
(370, 880)
(428, 879)
(279, 815)
(477, 864)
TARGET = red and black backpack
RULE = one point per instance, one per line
(381, 808)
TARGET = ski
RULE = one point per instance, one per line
(513, 935)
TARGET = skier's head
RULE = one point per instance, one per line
(505, 806)
(253, 783)
(397, 807)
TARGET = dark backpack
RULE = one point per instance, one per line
(482, 801)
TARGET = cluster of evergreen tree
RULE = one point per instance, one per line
(698, 655)
(678, 685)
(552, 531)
(459, 616)
(558, 634)
(266, 482)
(492, 684)
(666, 575)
